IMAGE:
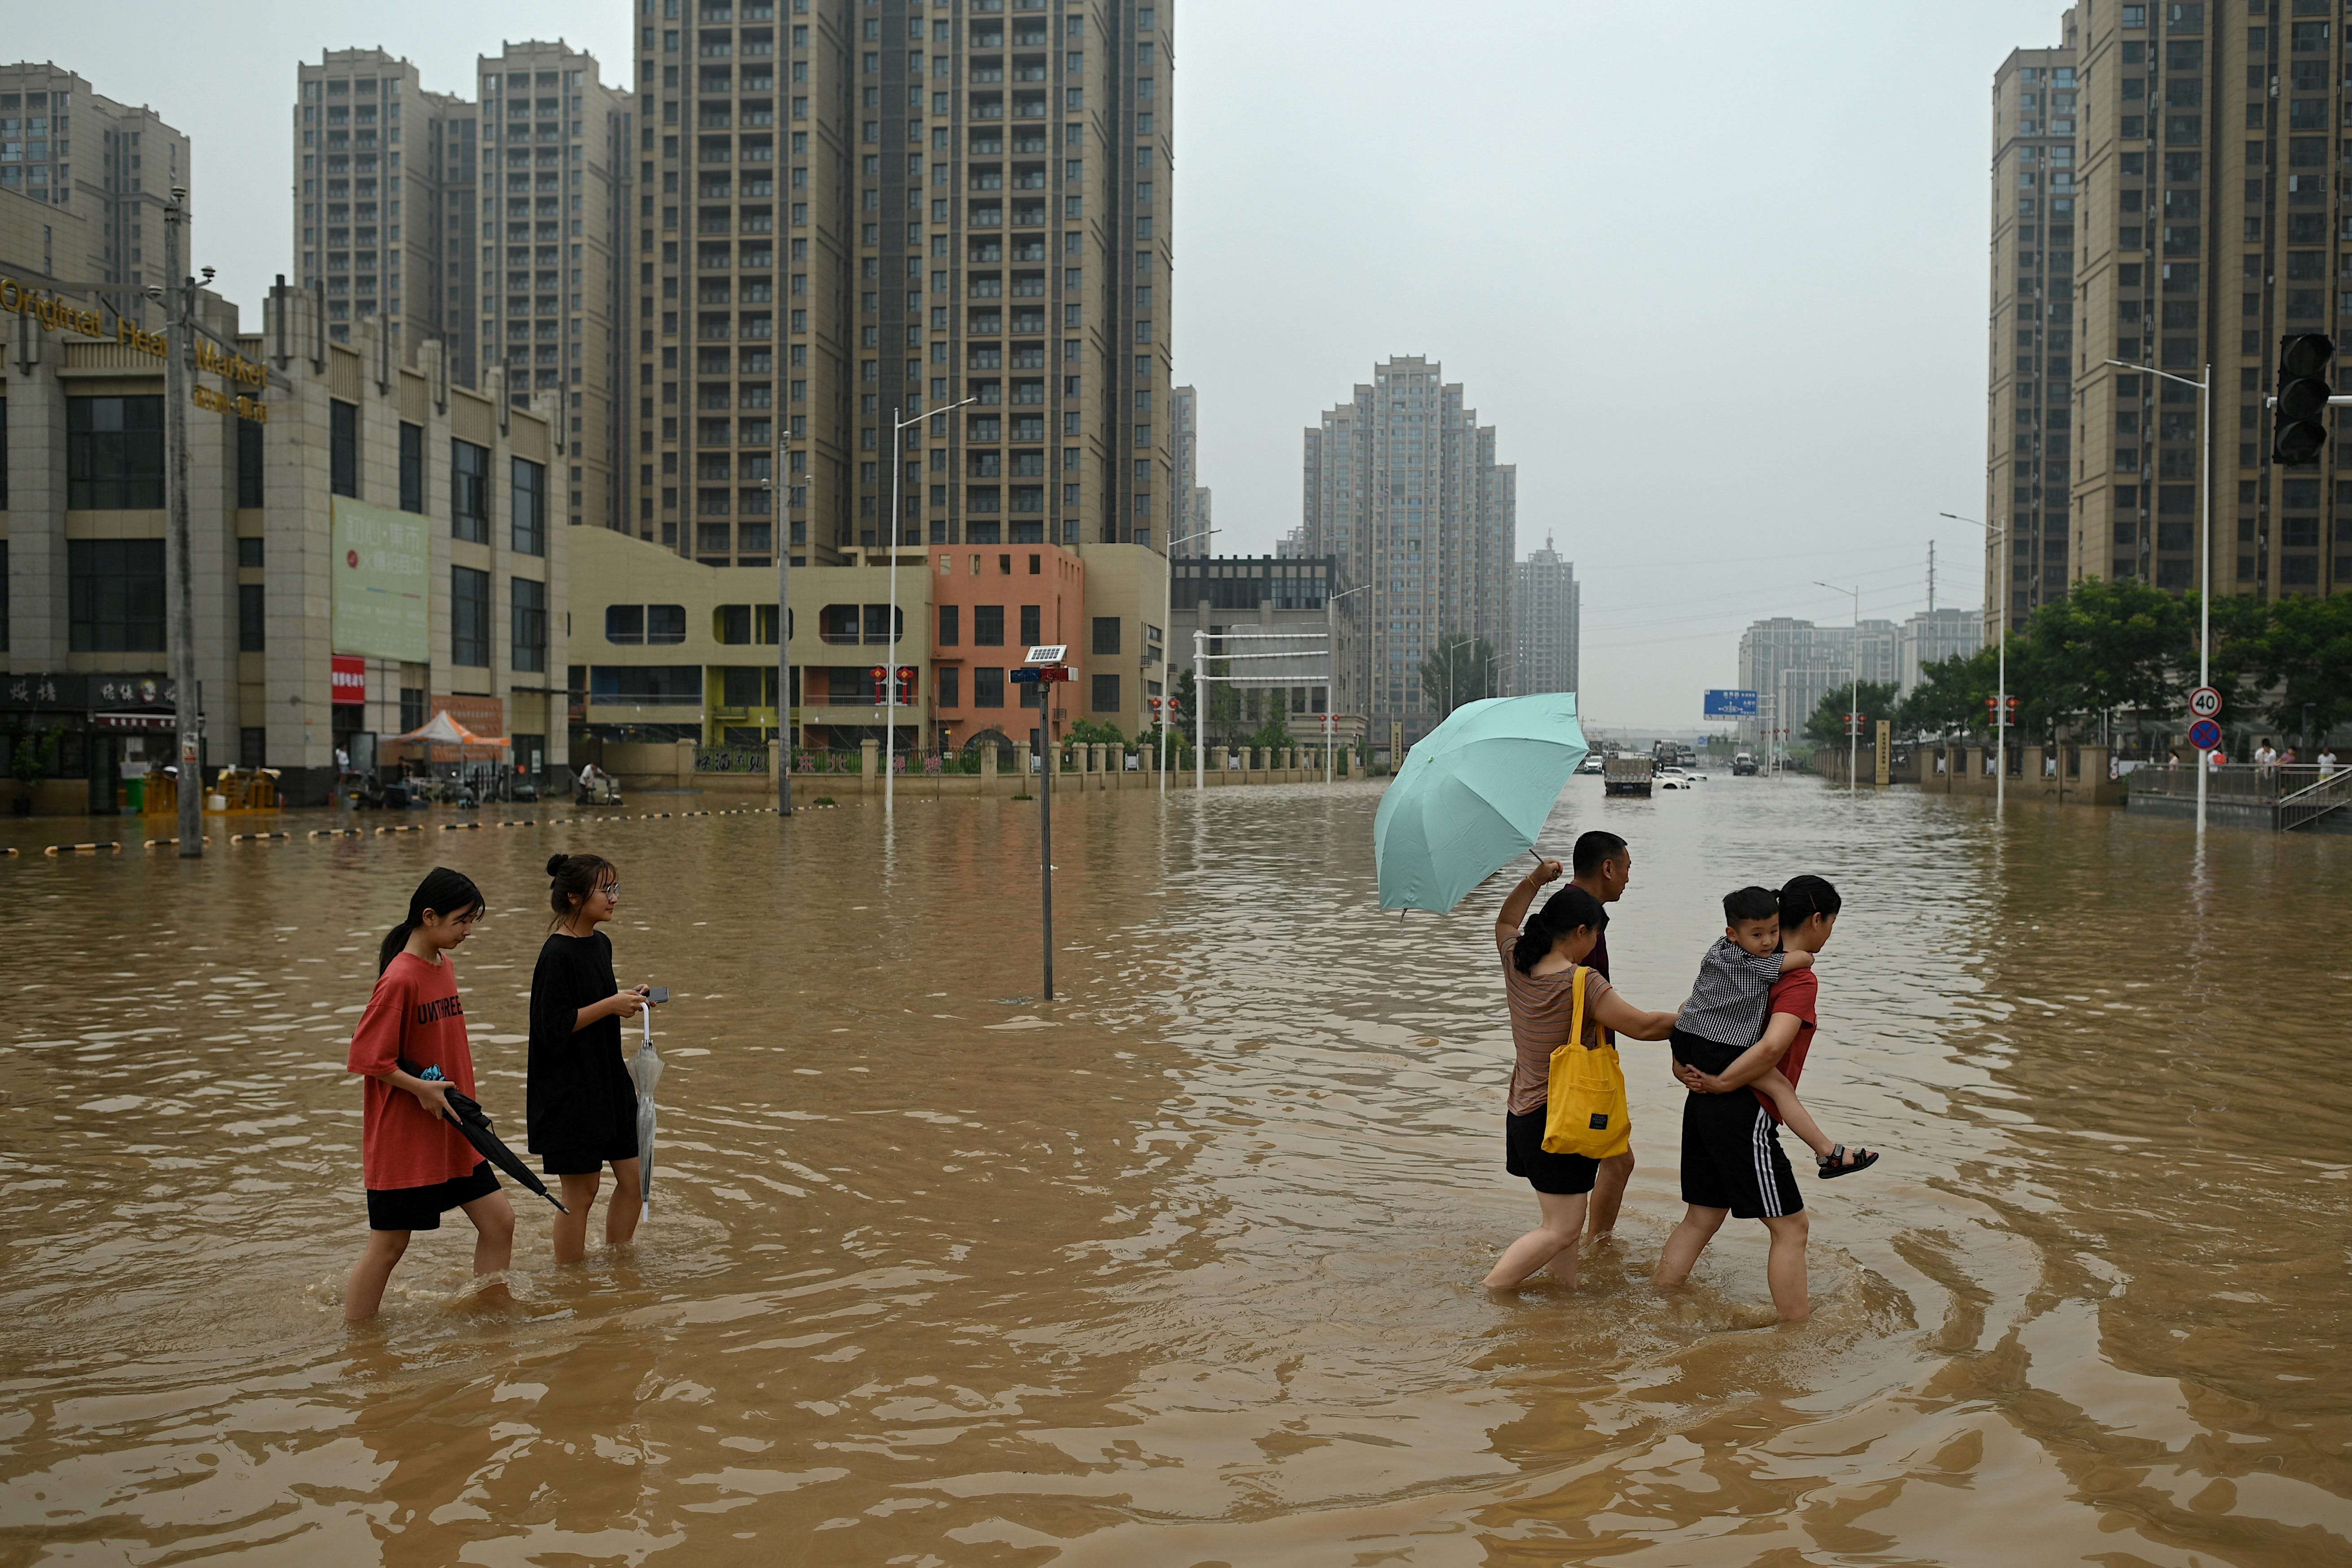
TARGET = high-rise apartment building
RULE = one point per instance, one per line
(104, 169)
(1402, 487)
(384, 189)
(1930, 637)
(557, 161)
(1547, 622)
(2030, 447)
(2204, 220)
(1190, 535)
(853, 215)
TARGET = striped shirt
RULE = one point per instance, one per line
(1542, 1006)
(1727, 1000)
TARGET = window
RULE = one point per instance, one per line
(114, 591)
(988, 686)
(114, 454)
(248, 465)
(528, 507)
(250, 636)
(1105, 634)
(411, 467)
(624, 623)
(412, 707)
(951, 626)
(343, 449)
(1106, 692)
(470, 492)
(988, 628)
(527, 605)
(469, 616)
(627, 684)
(664, 624)
(248, 552)
(950, 686)
(1031, 632)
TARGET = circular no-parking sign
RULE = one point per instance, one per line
(2205, 734)
(2205, 703)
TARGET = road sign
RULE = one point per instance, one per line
(2205, 735)
(1027, 677)
(2205, 703)
(1055, 672)
(1723, 703)
(1047, 653)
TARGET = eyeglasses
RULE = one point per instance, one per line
(609, 889)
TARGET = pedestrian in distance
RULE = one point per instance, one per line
(2266, 755)
(2327, 761)
(1732, 1162)
(418, 1166)
(1602, 864)
(581, 1104)
(1542, 966)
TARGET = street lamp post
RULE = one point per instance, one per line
(1996, 535)
(2204, 548)
(890, 682)
(1167, 662)
(780, 512)
(179, 366)
(1447, 649)
(1854, 704)
(1331, 679)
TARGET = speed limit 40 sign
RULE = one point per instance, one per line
(2205, 703)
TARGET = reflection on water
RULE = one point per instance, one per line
(1182, 1268)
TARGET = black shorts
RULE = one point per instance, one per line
(1732, 1158)
(588, 1162)
(1561, 1175)
(421, 1208)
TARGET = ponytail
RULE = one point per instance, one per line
(442, 892)
(1569, 910)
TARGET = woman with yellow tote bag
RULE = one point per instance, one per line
(1559, 1009)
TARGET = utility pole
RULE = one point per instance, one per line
(780, 512)
(1931, 576)
(179, 566)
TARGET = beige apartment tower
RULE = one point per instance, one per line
(850, 212)
(550, 299)
(2207, 194)
(1402, 487)
(96, 173)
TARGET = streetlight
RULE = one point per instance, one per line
(1331, 677)
(1852, 731)
(1996, 531)
(1447, 649)
(891, 683)
(2204, 549)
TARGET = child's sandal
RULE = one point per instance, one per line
(1835, 1163)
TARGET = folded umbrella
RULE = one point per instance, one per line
(644, 1071)
(466, 1114)
(1472, 796)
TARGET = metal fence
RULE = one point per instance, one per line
(2238, 783)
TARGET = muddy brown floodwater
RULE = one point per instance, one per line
(1181, 1269)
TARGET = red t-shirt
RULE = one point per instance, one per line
(1797, 994)
(414, 1015)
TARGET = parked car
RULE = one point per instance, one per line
(1743, 765)
(1594, 764)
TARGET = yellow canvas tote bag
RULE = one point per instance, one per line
(1585, 1112)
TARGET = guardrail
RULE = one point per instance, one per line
(2330, 791)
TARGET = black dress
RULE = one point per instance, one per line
(580, 1106)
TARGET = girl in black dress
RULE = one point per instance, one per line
(582, 1107)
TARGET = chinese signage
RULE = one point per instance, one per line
(382, 559)
(1722, 703)
(82, 692)
(349, 680)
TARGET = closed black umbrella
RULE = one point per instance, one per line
(467, 1113)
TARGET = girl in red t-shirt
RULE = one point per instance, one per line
(419, 1166)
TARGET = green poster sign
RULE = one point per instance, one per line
(382, 559)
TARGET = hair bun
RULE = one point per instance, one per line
(555, 864)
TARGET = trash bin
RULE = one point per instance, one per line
(135, 793)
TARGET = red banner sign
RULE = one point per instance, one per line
(349, 680)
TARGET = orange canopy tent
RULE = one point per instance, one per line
(441, 739)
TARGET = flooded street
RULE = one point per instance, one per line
(1181, 1269)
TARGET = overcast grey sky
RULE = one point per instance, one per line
(1714, 271)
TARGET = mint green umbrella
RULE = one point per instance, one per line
(1472, 796)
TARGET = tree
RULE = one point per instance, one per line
(1872, 699)
(1950, 697)
(2105, 646)
(2304, 656)
(1458, 672)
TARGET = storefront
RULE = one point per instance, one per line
(100, 732)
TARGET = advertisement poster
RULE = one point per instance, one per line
(382, 560)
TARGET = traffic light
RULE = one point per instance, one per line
(881, 684)
(905, 685)
(2299, 420)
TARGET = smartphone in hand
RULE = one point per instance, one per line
(657, 995)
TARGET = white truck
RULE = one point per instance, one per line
(1626, 774)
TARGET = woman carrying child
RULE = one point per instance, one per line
(1541, 965)
(418, 1166)
(582, 1107)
